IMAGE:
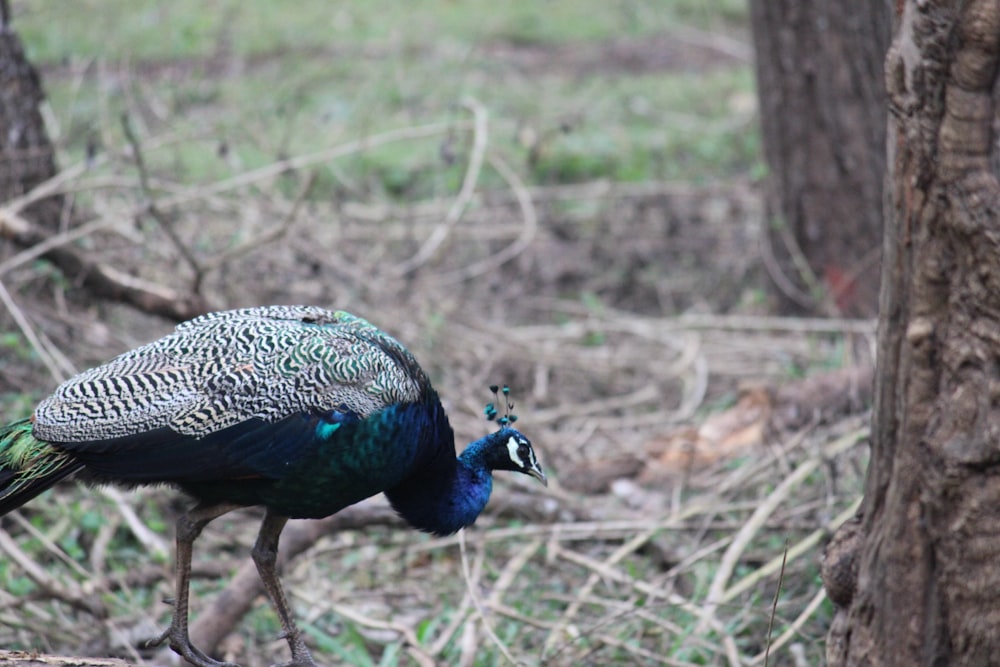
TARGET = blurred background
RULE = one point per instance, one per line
(581, 199)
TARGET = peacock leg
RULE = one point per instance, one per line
(265, 557)
(189, 527)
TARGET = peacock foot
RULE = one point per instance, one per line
(180, 643)
(301, 657)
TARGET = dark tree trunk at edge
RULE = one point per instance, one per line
(27, 157)
(916, 576)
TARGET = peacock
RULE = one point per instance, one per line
(297, 409)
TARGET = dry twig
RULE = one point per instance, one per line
(465, 194)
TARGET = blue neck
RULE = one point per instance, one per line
(447, 496)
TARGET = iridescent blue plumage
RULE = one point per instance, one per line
(297, 409)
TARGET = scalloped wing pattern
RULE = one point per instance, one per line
(223, 368)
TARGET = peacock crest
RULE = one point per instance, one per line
(491, 411)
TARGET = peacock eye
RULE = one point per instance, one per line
(522, 453)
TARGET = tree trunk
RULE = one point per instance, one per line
(820, 83)
(27, 157)
(916, 576)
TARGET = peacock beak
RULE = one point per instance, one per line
(536, 472)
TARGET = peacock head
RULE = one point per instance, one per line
(508, 449)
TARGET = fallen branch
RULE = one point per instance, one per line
(102, 279)
(26, 659)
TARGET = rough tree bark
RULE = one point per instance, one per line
(916, 575)
(820, 84)
(27, 157)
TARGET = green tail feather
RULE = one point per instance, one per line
(28, 466)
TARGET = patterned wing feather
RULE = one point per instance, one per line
(225, 368)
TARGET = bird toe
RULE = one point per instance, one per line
(180, 643)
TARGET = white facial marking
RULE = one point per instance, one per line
(512, 445)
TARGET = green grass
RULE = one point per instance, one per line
(268, 80)
(185, 28)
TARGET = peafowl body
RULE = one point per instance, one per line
(298, 409)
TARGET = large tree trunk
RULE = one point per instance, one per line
(27, 157)
(916, 577)
(820, 83)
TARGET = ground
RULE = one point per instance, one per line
(563, 198)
